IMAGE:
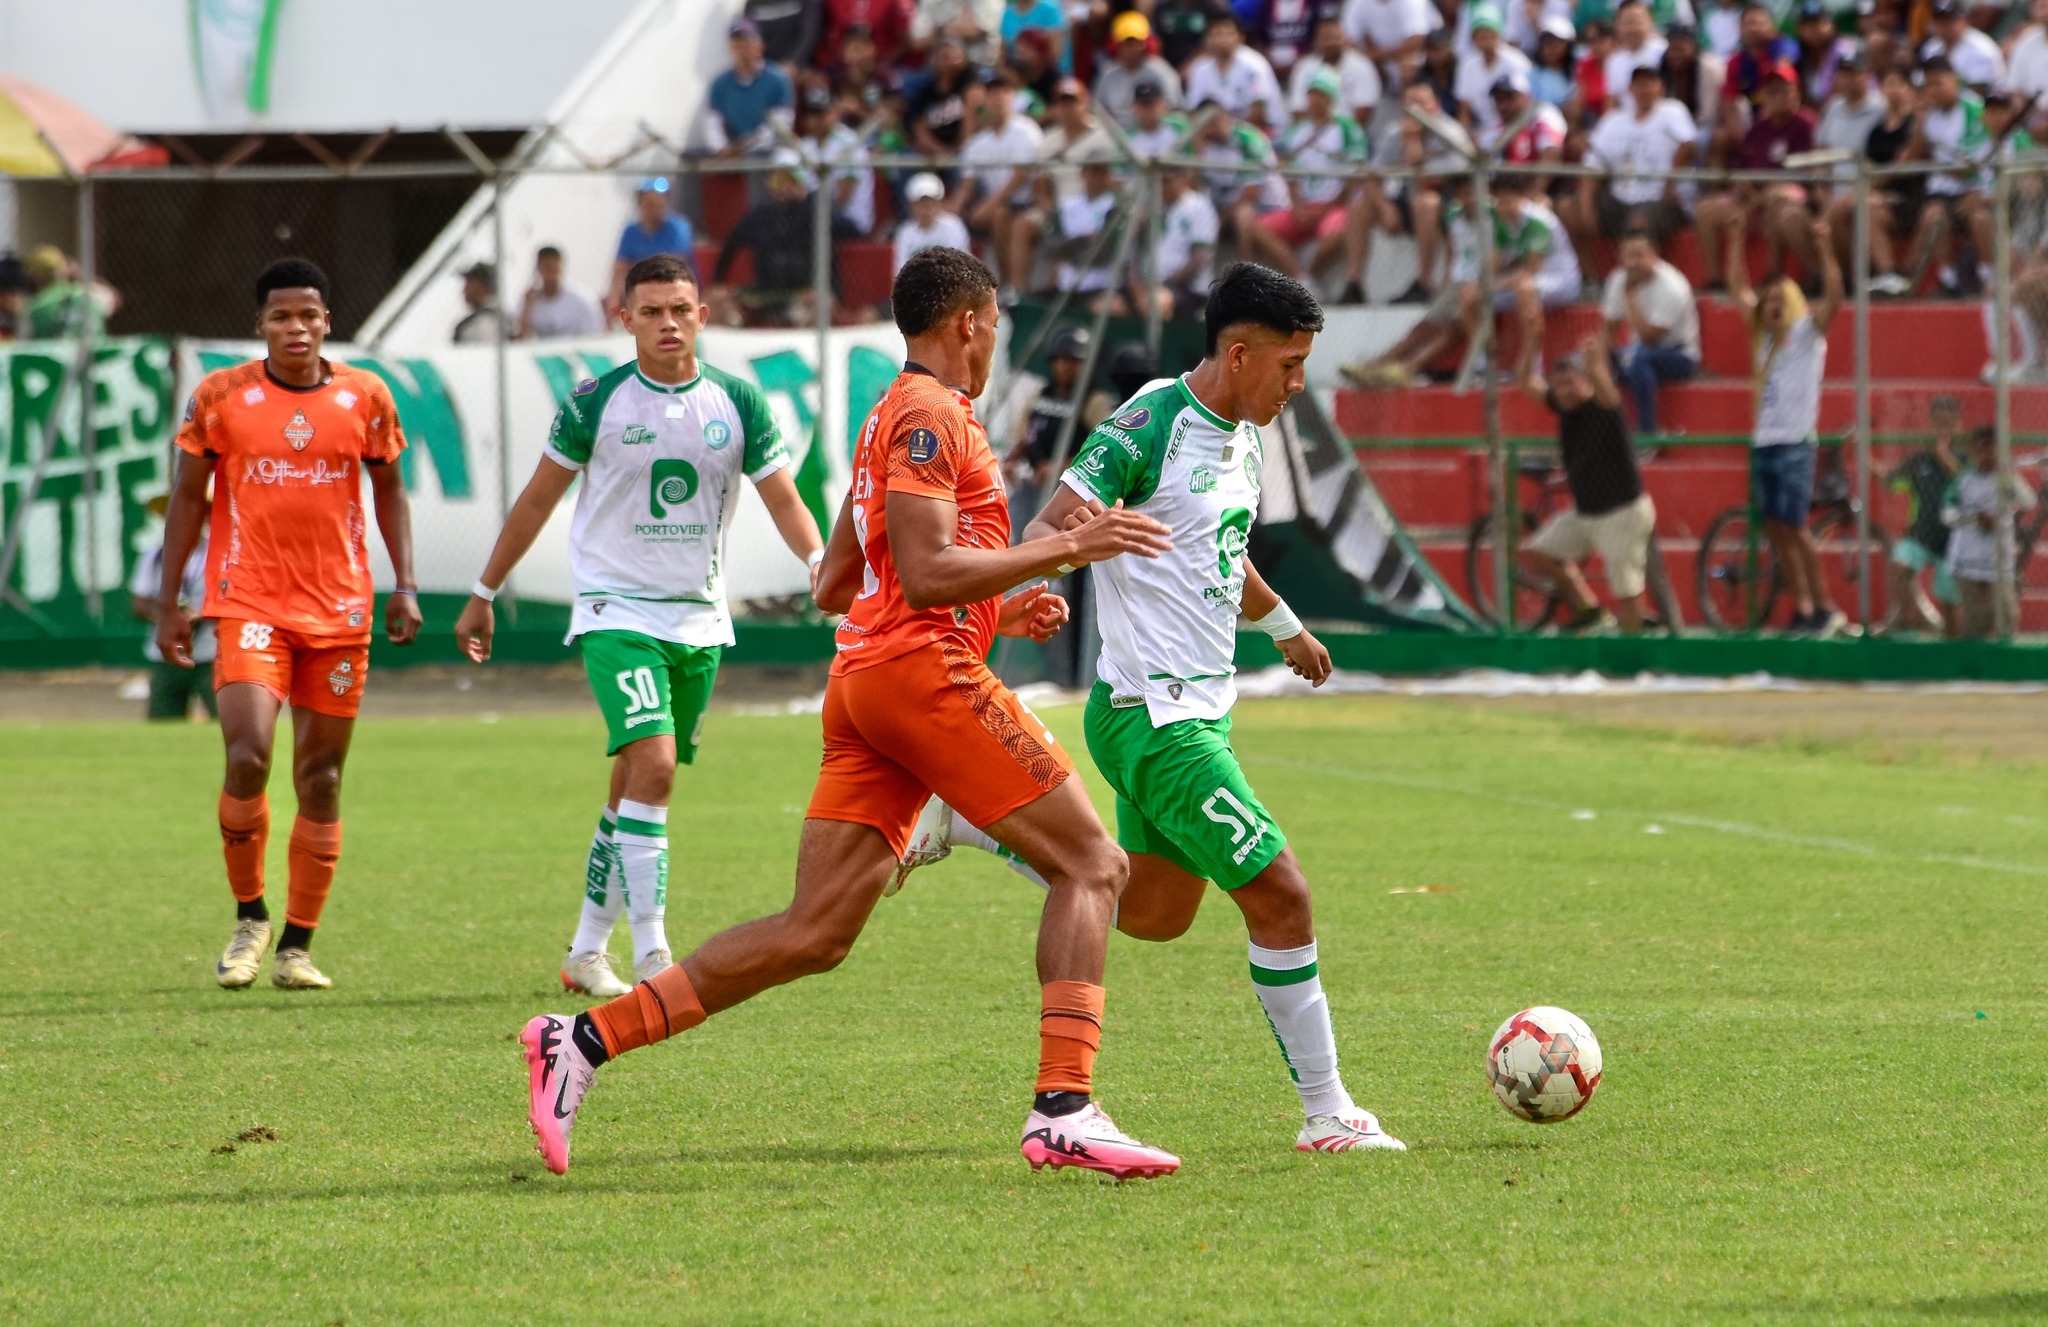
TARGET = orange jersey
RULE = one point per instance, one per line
(287, 539)
(922, 438)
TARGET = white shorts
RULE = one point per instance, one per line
(1553, 290)
(1621, 537)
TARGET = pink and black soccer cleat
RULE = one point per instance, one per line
(559, 1078)
(1088, 1139)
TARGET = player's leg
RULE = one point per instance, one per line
(248, 729)
(326, 691)
(587, 967)
(1183, 800)
(862, 811)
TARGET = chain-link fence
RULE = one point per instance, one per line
(484, 292)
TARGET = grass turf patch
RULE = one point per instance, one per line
(1817, 981)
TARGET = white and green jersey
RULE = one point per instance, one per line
(661, 468)
(1169, 624)
(1339, 144)
(1955, 137)
(1246, 157)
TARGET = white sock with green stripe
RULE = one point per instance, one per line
(643, 853)
(971, 836)
(604, 892)
(1292, 994)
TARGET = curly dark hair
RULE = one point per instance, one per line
(1249, 293)
(937, 282)
(290, 274)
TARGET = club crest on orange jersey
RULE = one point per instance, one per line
(342, 678)
(298, 433)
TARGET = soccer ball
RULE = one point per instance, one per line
(1544, 1064)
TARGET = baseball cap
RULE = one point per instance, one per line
(1854, 58)
(1485, 16)
(1068, 342)
(1681, 32)
(1811, 9)
(924, 184)
(1148, 89)
(1130, 26)
(653, 184)
(815, 99)
(1069, 87)
(744, 27)
(1948, 8)
(1780, 72)
(483, 272)
(1560, 27)
(1509, 84)
(1645, 71)
(1325, 81)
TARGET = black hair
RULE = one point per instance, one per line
(660, 269)
(936, 283)
(1249, 293)
(1984, 433)
(547, 251)
(1936, 64)
(290, 274)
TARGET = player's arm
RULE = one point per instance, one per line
(182, 523)
(394, 523)
(523, 524)
(937, 573)
(1268, 612)
(792, 520)
(839, 575)
(1600, 369)
(1832, 291)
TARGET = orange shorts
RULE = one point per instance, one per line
(935, 720)
(318, 673)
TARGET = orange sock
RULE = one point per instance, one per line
(655, 1010)
(1069, 1034)
(315, 848)
(244, 835)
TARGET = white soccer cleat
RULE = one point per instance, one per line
(931, 839)
(591, 973)
(558, 1078)
(657, 961)
(244, 954)
(292, 970)
(1088, 1139)
(1346, 1131)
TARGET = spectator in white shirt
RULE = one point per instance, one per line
(930, 226)
(554, 307)
(1654, 324)
(1652, 133)
(1235, 76)
(1390, 32)
(1116, 86)
(825, 144)
(994, 190)
(1357, 79)
(1186, 253)
(1976, 58)
(1491, 58)
(1526, 20)
(1636, 44)
(2026, 70)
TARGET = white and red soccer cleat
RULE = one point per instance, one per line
(931, 840)
(1344, 1131)
(1088, 1139)
(559, 1077)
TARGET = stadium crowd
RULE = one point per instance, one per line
(1030, 112)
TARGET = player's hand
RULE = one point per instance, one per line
(1078, 517)
(402, 618)
(473, 629)
(1032, 612)
(1118, 530)
(1306, 657)
(174, 637)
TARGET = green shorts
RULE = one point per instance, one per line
(648, 687)
(1917, 557)
(1179, 791)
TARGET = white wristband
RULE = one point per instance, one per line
(817, 556)
(1281, 623)
(483, 592)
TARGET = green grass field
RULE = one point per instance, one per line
(1820, 990)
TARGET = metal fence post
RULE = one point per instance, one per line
(507, 592)
(88, 442)
(2001, 348)
(1489, 387)
(821, 288)
(1154, 225)
(1863, 493)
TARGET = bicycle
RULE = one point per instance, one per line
(1733, 597)
(1539, 601)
